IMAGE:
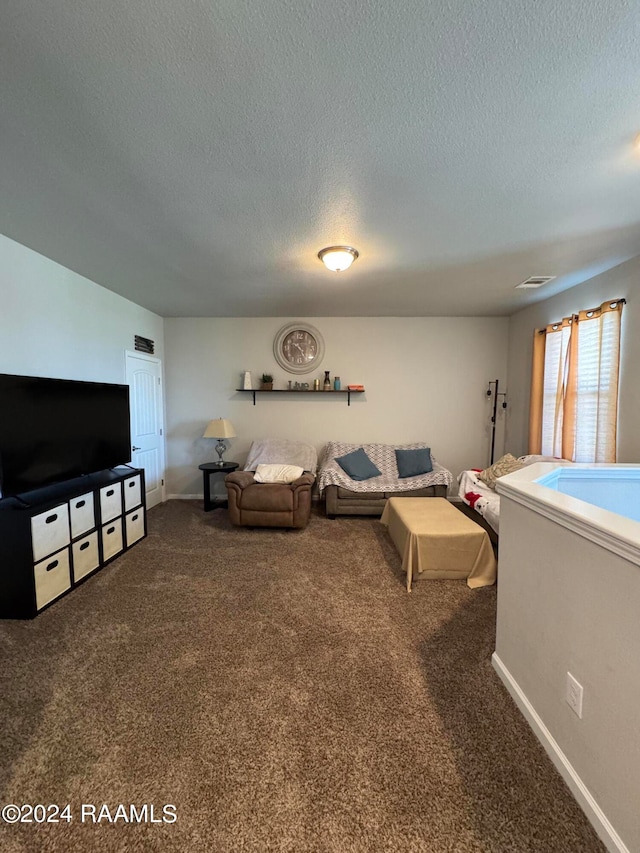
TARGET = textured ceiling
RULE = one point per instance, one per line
(194, 155)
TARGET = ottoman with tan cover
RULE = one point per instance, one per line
(435, 540)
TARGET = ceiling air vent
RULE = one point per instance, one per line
(535, 281)
(144, 344)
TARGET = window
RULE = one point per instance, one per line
(574, 386)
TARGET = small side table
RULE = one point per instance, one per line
(209, 468)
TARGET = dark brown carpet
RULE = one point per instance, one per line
(283, 690)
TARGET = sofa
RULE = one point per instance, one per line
(345, 496)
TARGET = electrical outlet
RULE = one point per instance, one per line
(574, 695)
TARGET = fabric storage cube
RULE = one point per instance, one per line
(52, 577)
(50, 531)
(86, 556)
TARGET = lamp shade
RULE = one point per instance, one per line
(220, 428)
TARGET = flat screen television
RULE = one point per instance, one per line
(56, 429)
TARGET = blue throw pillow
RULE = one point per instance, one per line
(413, 462)
(358, 465)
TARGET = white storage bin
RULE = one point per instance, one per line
(134, 525)
(110, 502)
(83, 517)
(132, 493)
(86, 557)
(111, 539)
(50, 531)
(52, 577)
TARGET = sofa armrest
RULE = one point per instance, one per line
(305, 479)
(239, 479)
(331, 501)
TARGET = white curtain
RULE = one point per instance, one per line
(574, 386)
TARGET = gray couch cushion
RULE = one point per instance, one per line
(411, 463)
(357, 465)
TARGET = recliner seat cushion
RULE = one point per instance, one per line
(267, 497)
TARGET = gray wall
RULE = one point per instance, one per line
(425, 378)
(565, 604)
(622, 281)
(54, 322)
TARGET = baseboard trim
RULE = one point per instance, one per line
(199, 497)
(583, 796)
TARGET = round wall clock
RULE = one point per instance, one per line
(298, 347)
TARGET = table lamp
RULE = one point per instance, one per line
(220, 428)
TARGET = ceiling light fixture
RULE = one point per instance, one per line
(338, 258)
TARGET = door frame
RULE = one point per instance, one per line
(155, 360)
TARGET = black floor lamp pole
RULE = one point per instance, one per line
(495, 412)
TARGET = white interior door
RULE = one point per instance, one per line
(144, 377)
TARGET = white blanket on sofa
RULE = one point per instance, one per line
(384, 457)
(283, 451)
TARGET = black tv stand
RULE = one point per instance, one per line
(53, 538)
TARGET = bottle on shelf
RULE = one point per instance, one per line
(336, 383)
(326, 385)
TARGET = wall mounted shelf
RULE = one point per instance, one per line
(299, 392)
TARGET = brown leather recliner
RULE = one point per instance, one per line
(254, 504)
(269, 504)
